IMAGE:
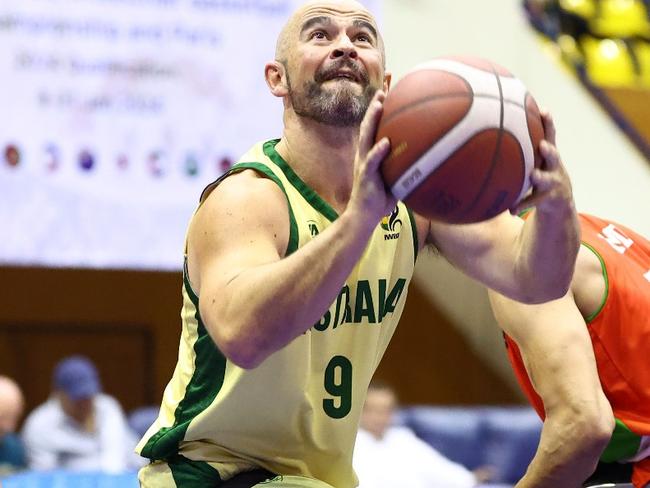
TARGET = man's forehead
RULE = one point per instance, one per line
(348, 11)
(345, 10)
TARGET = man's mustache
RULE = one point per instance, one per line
(332, 71)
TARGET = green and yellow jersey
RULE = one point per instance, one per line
(296, 413)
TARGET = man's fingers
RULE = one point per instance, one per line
(370, 121)
(549, 126)
(377, 154)
(550, 154)
(528, 202)
(542, 181)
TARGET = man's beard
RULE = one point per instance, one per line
(339, 106)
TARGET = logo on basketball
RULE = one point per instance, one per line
(392, 225)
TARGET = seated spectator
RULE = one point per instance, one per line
(12, 453)
(78, 427)
(388, 456)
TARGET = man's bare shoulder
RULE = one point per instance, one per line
(243, 186)
(247, 195)
(246, 198)
(244, 219)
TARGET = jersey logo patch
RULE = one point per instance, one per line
(391, 225)
(615, 238)
(313, 228)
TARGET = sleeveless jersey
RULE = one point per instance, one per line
(620, 334)
(297, 413)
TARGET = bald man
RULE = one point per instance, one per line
(12, 403)
(292, 288)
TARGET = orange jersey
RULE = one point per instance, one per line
(620, 334)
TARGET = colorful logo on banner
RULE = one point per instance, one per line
(12, 155)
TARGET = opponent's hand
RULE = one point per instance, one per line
(550, 183)
(369, 194)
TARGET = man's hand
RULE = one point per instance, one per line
(551, 183)
(369, 194)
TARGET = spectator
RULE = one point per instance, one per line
(12, 452)
(78, 427)
(412, 462)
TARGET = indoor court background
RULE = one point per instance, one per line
(447, 350)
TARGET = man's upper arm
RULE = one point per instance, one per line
(555, 346)
(242, 224)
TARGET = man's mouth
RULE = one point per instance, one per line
(343, 73)
(348, 76)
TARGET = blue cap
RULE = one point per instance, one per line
(77, 377)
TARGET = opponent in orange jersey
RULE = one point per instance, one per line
(583, 362)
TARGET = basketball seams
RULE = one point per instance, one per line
(445, 147)
(497, 167)
(386, 120)
(431, 98)
(412, 177)
(521, 130)
(505, 102)
(495, 154)
(471, 92)
(461, 62)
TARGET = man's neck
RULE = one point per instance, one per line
(323, 157)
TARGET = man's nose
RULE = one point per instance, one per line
(344, 48)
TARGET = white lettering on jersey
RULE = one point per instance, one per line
(647, 275)
(616, 239)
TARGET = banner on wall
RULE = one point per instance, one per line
(116, 113)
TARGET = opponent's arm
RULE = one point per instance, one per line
(253, 299)
(529, 261)
(559, 358)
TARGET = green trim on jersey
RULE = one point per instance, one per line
(188, 286)
(207, 379)
(414, 230)
(313, 198)
(292, 245)
(602, 265)
(192, 474)
(624, 444)
(605, 277)
(525, 212)
(205, 384)
(308, 194)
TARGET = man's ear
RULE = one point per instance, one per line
(387, 79)
(276, 78)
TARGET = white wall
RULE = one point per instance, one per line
(610, 177)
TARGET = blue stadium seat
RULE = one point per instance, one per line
(502, 437)
(66, 479)
(455, 432)
(141, 419)
(511, 436)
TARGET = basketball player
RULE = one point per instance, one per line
(293, 287)
(582, 361)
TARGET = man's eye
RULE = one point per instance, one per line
(318, 35)
(363, 38)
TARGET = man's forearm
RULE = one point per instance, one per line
(268, 306)
(549, 246)
(567, 454)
